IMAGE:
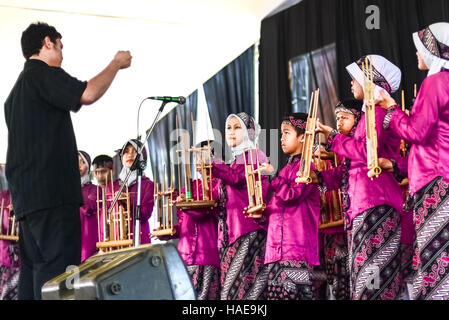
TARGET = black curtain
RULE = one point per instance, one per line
(393, 40)
(307, 26)
(313, 70)
(3, 182)
(231, 90)
(313, 24)
(165, 139)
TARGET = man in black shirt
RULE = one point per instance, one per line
(42, 157)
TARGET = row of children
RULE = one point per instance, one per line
(390, 242)
(232, 256)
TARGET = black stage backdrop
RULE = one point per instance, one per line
(231, 90)
(313, 24)
(164, 138)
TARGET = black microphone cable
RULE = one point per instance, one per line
(138, 116)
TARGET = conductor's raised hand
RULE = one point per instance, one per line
(123, 59)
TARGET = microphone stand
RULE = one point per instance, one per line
(139, 166)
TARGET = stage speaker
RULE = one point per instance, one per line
(148, 272)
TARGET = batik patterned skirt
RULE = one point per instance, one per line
(337, 266)
(243, 273)
(431, 259)
(206, 281)
(290, 280)
(375, 255)
(9, 275)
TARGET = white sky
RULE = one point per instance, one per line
(176, 46)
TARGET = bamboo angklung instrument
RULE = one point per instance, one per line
(403, 142)
(98, 212)
(104, 219)
(1, 216)
(256, 205)
(202, 157)
(164, 206)
(370, 121)
(116, 225)
(303, 174)
(331, 210)
(157, 202)
(12, 232)
(336, 198)
(187, 171)
(403, 147)
(184, 163)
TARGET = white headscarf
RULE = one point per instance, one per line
(387, 76)
(251, 132)
(432, 44)
(86, 177)
(124, 172)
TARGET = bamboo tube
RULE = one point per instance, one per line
(104, 214)
(249, 182)
(198, 187)
(98, 214)
(403, 100)
(300, 173)
(164, 206)
(178, 156)
(13, 225)
(259, 182)
(1, 215)
(129, 228)
(211, 197)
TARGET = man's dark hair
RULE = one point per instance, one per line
(33, 38)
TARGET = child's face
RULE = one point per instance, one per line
(291, 143)
(357, 90)
(234, 132)
(82, 166)
(345, 122)
(421, 64)
(128, 156)
(103, 176)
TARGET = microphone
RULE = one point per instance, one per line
(180, 100)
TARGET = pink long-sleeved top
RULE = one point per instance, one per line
(89, 221)
(293, 218)
(332, 179)
(427, 129)
(198, 230)
(146, 205)
(363, 192)
(5, 259)
(233, 177)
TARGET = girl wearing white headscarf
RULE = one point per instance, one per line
(427, 130)
(127, 155)
(88, 217)
(375, 206)
(241, 240)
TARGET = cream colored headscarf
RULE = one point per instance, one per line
(432, 44)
